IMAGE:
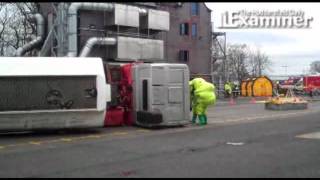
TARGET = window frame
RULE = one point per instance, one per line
(185, 54)
(195, 9)
(184, 29)
(194, 31)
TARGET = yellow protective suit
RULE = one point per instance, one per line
(228, 88)
(202, 95)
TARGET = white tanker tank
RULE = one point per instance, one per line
(52, 93)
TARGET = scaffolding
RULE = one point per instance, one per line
(55, 44)
(218, 61)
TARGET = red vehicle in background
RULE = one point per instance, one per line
(290, 83)
(303, 85)
(308, 85)
(311, 84)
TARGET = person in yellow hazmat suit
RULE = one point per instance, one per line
(228, 89)
(202, 94)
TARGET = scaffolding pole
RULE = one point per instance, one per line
(219, 70)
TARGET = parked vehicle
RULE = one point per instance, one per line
(311, 85)
(307, 85)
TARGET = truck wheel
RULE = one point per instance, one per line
(316, 92)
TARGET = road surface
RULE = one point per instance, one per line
(242, 140)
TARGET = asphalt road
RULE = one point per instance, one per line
(258, 143)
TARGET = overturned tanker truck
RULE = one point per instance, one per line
(98, 65)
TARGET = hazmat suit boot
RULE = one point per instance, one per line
(194, 118)
(202, 120)
(205, 120)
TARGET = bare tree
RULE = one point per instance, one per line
(315, 67)
(5, 18)
(258, 62)
(243, 62)
(16, 29)
(236, 61)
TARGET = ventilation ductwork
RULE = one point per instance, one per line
(38, 40)
(93, 41)
(73, 25)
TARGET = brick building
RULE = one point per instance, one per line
(189, 38)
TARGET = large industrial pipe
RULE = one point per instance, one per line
(95, 40)
(38, 40)
(72, 21)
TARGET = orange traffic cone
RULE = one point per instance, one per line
(232, 102)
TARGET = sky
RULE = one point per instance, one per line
(290, 50)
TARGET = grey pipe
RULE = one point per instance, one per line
(95, 40)
(72, 21)
(143, 12)
(38, 40)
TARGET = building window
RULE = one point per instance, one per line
(184, 55)
(194, 9)
(184, 29)
(194, 30)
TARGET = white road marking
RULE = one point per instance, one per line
(119, 133)
(260, 102)
(235, 143)
(314, 135)
(66, 139)
(35, 143)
